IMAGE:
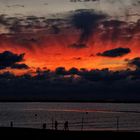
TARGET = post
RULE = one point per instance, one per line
(52, 123)
(82, 126)
(44, 126)
(11, 124)
(118, 123)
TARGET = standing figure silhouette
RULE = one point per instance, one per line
(66, 126)
(56, 125)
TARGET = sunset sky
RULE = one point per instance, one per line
(48, 34)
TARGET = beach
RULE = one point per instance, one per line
(19, 133)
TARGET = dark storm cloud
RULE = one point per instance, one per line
(55, 29)
(3, 20)
(8, 59)
(105, 75)
(22, 24)
(113, 23)
(134, 62)
(33, 21)
(86, 21)
(9, 21)
(73, 71)
(12, 24)
(115, 52)
(19, 66)
(26, 31)
(74, 84)
(7, 75)
(60, 71)
(114, 29)
(15, 27)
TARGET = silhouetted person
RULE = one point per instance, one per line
(11, 124)
(44, 125)
(56, 125)
(66, 126)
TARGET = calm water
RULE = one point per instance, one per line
(89, 116)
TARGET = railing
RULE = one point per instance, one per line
(112, 124)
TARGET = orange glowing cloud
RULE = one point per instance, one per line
(52, 54)
(56, 46)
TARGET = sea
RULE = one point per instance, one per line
(80, 116)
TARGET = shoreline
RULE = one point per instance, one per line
(66, 101)
(52, 134)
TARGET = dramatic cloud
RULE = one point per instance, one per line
(114, 23)
(72, 85)
(70, 39)
(8, 59)
(16, 27)
(86, 21)
(60, 71)
(55, 29)
(3, 20)
(43, 38)
(73, 71)
(19, 66)
(134, 62)
(105, 75)
(115, 52)
(114, 29)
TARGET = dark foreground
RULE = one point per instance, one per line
(24, 133)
